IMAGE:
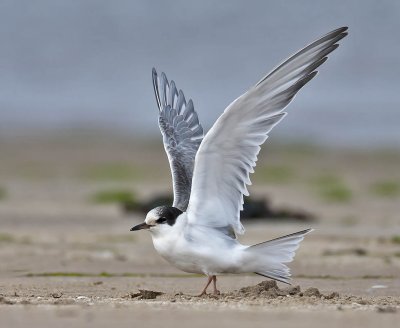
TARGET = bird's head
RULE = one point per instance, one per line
(158, 218)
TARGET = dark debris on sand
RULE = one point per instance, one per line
(268, 293)
(266, 290)
(4, 300)
(269, 289)
(145, 294)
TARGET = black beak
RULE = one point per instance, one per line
(141, 226)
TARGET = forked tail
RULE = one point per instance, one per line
(268, 258)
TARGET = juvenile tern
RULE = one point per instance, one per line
(210, 174)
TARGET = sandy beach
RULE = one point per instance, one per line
(68, 260)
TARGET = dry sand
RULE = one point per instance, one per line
(65, 261)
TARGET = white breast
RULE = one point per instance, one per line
(197, 249)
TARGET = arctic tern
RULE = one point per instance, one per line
(210, 174)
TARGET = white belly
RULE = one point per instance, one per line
(174, 252)
(200, 253)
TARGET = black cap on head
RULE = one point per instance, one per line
(168, 214)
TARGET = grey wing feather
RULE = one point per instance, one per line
(229, 151)
(182, 135)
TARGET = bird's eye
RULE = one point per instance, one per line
(161, 220)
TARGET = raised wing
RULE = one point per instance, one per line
(229, 151)
(182, 135)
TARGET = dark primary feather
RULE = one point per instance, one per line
(182, 135)
(321, 47)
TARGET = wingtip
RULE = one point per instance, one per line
(164, 77)
(154, 72)
(155, 87)
(154, 76)
(172, 85)
(307, 231)
(339, 30)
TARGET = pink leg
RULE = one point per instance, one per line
(204, 292)
(216, 291)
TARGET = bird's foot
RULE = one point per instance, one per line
(216, 292)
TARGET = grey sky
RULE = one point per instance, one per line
(88, 63)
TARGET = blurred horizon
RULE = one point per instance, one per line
(85, 67)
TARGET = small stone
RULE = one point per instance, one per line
(312, 291)
(4, 300)
(332, 295)
(56, 295)
(386, 309)
(292, 290)
(148, 294)
(83, 298)
(67, 301)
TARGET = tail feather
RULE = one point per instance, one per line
(274, 276)
(270, 256)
